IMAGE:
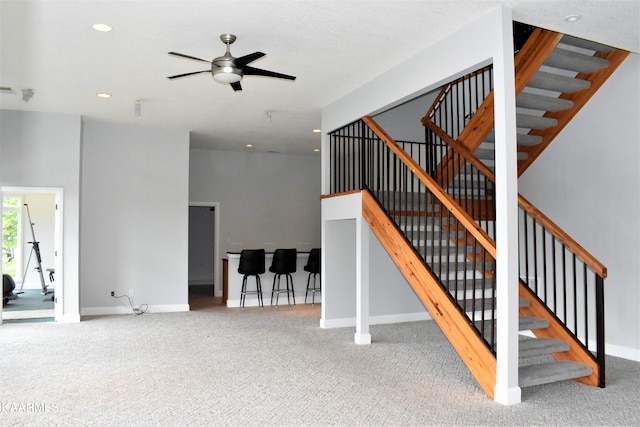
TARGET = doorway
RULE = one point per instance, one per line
(203, 271)
(33, 215)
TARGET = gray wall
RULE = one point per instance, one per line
(134, 229)
(43, 150)
(587, 182)
(267, 200)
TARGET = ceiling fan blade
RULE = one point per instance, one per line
(189, 57)
(247, 59)
(250, 71)
(188, 74)
(236, 86)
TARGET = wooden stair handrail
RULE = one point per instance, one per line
(460, 149)
(446, 88)
(563, 237)
(463, 217)
(557, 232)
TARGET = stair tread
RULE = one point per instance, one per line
(487, 154)
(549, 372)
(557, 83)
(522, 139)
(534, 122)
(585, 44)
(452, 265)
(542, 102)
(477, 283)
(569, 60)
(444, 250)
(527, 323)
(540, 346)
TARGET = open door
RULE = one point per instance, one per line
(202, 247)
(33, 215)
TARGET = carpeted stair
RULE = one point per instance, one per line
(537, 365)
(557, 75)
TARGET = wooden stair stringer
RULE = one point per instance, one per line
(526, 62)
(580, 98)
(465, 340)
(576, 352)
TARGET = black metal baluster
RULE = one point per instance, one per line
(535, 255)
(600, 327)
(555, 276)
(575, 296)
(586, 303)
(564, 283)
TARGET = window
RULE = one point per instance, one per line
(11, 253)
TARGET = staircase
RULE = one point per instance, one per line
(434, 214)
(466, 272)
(555, 77)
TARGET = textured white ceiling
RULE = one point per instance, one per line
(331, 46)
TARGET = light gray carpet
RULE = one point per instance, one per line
(270, 367)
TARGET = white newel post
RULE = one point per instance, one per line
(506, 173)
(362, 335)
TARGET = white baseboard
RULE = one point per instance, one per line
(27, 314)
(623, 352)
(102, 311)
(375, 320)
(69, 318)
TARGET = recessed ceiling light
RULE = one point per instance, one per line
(102, 27)
(316, 150)
(104, 95)
(317, 130)
(572, 18)
(249, 145)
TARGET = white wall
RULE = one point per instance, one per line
(403, 123)
(134, 223)
(43, 150)
(587, 182)
(267, 200)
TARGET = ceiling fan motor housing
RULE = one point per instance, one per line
(225, 69)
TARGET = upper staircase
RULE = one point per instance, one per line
(431, 206)
(556, 75)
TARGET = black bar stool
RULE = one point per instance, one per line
(284, 263)
(313, 267)
(251, 264)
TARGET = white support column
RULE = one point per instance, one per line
(506, 390)
(362, 335)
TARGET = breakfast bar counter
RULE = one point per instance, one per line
(234, 281)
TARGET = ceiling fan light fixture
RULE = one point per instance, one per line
(230, 76)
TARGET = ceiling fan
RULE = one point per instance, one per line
(227, 69)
